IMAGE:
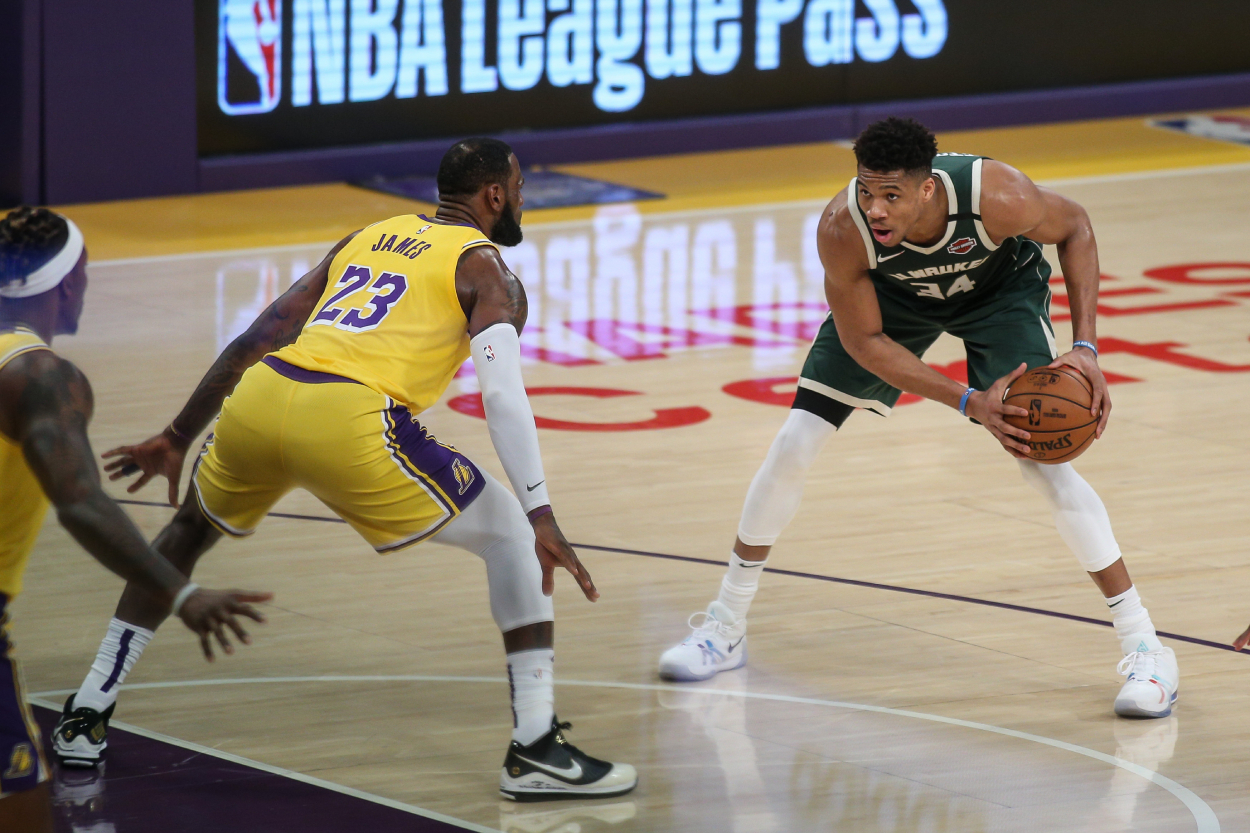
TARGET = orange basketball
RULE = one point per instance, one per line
(1059, 423)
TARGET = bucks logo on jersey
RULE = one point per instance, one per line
(965, 262)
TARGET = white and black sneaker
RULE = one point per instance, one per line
(551, 768)
(81, 735)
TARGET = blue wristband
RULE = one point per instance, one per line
(963, 401)
(1093, 348)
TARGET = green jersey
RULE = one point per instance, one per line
(964, 266)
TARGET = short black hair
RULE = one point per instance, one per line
(895, 144)
(472, 164)
(29, 238)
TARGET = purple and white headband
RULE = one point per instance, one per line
(51, 273)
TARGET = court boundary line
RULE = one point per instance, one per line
(38, 700)
(869, 585)
(1125, 176)
(1204, 817)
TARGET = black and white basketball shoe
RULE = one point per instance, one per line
(551, 768)
(81, 735)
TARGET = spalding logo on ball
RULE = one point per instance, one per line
(1059, 423)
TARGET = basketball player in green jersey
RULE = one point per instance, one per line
(922, 243)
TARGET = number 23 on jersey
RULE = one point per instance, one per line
(349, 309)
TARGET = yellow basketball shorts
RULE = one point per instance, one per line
(22, 765)
(362, 454)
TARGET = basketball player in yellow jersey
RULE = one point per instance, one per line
(324, 391)
(45, 457)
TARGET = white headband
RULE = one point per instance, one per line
(51, 273)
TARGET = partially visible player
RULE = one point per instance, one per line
(1242, 641)
(323, 393)
(45, 457)
(919, 244)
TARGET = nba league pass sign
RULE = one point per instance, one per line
(305, 73)
(294, 74)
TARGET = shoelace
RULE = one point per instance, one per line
(709, 625)
(1129, 666)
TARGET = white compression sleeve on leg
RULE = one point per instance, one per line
(495, 528)
(777, 488)
(496, 355)
(1079, 515)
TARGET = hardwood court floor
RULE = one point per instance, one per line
(863, 708)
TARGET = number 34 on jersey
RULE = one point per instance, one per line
(953, 276)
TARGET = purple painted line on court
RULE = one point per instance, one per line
(933, 594)
(149, 786)
(871, 585)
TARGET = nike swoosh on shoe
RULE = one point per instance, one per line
(571, 773)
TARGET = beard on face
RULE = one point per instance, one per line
(507, 229)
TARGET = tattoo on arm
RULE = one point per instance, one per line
(54, 405)
(488, 291)
(516, 308)
(279, 325)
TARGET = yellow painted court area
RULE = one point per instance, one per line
(321, 213)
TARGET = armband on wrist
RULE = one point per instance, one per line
(1093, 348)
(963, 401)
(183, 594)
(535, 514)
(174, 430)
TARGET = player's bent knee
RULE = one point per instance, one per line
(494, 528)
(777, 487)
(800, 439)
(1045, 478)
(515, 580)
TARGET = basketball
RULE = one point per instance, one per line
(1059, 423)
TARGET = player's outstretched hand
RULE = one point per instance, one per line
(1243, 640)
(1085, 361)
(210, 612)
(989, 409)
(554, 550)
(162, 454)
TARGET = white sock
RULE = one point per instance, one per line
(120, 650)
(738, 587)
(532, 680)
(1132, 620)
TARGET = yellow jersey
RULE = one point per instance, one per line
(22, 501)
(389, 317)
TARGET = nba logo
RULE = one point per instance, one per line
(249, 55)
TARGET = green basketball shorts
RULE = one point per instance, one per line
(999, 333)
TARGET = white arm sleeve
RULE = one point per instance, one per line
(496, 355)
